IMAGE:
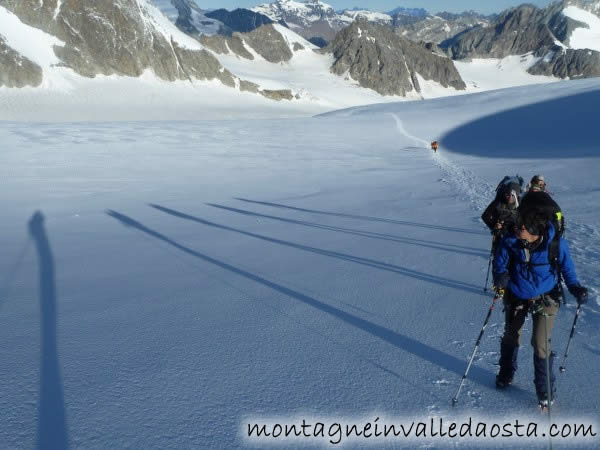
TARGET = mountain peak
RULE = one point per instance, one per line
(381, 60)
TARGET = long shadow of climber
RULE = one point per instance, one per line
(455, 284)
(52, 425)
(410, 345)
(426, 226)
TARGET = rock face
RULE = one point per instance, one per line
(120, 37)
(240, 20)
(269, 44)
(266, 41)
(526, 29)
(387, 63)
(516, 32)
(278, 95)
(16, 70)
(568, 63)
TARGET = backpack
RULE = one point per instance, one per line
(541, 205)
(510, 183)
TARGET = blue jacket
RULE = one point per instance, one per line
(530, 280)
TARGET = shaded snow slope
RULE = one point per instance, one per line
(187, 277)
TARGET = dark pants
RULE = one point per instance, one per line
(543, 310)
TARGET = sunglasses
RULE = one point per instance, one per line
(520, 226)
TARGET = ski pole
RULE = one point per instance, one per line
(548, 374)
(489, 264)
(489, 314)
(563, 366)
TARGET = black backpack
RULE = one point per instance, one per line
(509, 183)
(541, 206)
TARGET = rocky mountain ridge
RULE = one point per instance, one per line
(381, 60)
(120, 37)
(129, 37)
(546, 33)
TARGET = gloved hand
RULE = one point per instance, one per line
(580, 293)
(500, 282)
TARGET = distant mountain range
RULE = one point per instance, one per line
(315, 19)
(391, 54)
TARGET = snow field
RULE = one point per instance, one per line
(210, 271)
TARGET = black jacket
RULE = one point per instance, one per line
(498, 211)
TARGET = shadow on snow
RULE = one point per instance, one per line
(524, 132)
(432, 355)
(470, 251)
(446, 282)
(367, 218)
(52, 421)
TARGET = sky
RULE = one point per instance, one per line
(486, 7)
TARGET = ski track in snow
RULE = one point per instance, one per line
(473, 188)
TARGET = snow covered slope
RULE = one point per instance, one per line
(297, 12)
(185, 279)
(584, 37)
(492, 73)
(312, 18)
(350, 15)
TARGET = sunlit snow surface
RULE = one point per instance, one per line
(188, 275)
(584, 37)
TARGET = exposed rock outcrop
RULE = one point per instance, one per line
(278, 95)
(568, 63)
(546, 33)
(269, 44)
(387, 63)
(516, 32)
(117, 37)
(16, 70)
(266, 41)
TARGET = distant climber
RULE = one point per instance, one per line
(537, 184)
(434, 146)
(501, 214)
